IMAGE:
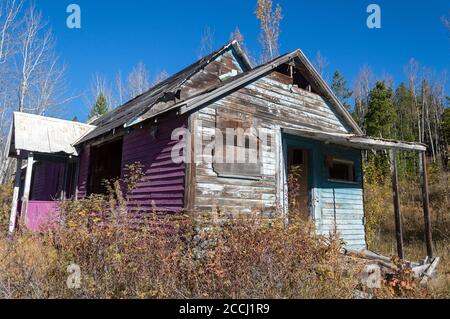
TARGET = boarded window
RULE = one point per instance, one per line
(237, 144)
(341, 170)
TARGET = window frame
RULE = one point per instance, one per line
(348, 162)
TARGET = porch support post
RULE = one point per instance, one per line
(77, 176)
(26, 190)
(426, 204)
(63, 195)
(397, 211)
(15, 199)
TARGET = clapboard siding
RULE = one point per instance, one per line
(232, 195)
(47, 181)
(276, 105)
(162, 186)
(342, 204)
(83, 172)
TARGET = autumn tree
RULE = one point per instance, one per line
(269, 22)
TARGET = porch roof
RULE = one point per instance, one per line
(44, 135)
(356, 141)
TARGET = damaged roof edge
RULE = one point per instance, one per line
(199, 100)
(356, 141)
(249, 76)
(172, 83)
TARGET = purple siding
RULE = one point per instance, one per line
(84, 172)
(162, 187)
(47, 181)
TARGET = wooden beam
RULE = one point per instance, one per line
(397, 211)
(426, 204)
(65, 181)
(15, 199)
(27, 187)
(190, 166)
(77, 176)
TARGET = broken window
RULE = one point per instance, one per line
(105, 166)
(341, 170)
(237, 144)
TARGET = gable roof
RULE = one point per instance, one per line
(142, 103)
(242, 79)
(45, 135)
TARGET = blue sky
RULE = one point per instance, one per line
(165, 35)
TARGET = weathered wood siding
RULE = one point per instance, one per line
(277, 105)
(162, 186)
(47, 181)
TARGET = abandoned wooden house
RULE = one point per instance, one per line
(308, 126)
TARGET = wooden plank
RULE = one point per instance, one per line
(27, 187)
(397, 212)
(426, 204)
(15, 199)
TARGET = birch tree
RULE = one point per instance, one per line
(31, 75)
(206, 42)
(160, 77)
(362, 89)
(269, 22)
(320, 63)
(138, 81)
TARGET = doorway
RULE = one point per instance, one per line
(299, 185)
(105, 166)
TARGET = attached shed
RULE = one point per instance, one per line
(46, 144)
(285, 122)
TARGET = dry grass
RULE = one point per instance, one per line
(381, 229)
(186, 256)
(172, 257)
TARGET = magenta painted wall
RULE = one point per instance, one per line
(162, 187)
(41, 215)
(47, 181)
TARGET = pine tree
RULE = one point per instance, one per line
(446, 123)
(100, 107)
(403, 101)
(381, 116)
(339, 87)
(380, 121)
